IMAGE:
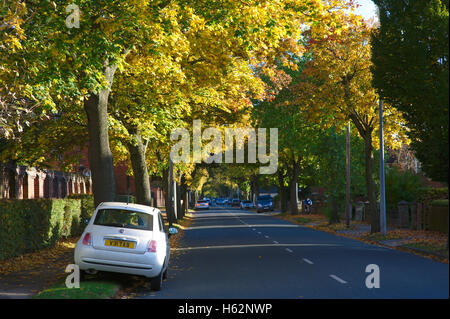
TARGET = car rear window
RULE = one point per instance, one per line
(124, 218)
(265, 197)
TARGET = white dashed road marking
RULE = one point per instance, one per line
(338, 279)
(308, 261)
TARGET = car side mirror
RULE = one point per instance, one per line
(173, 231)
(86, 221)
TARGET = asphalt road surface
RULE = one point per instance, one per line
(228, 253)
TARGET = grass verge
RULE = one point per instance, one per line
(87, 290)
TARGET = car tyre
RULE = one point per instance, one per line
(156, 282)
(82, 275)
(165, 273)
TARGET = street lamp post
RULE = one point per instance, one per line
(382, 183)
(347, 177)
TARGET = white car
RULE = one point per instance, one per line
(246, 204)
(126, 238)
(202, 204)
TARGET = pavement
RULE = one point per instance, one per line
(230, 253)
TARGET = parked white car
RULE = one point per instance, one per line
(126, 238)
(202, 204)
(247, 204)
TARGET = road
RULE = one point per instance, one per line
(229, 253)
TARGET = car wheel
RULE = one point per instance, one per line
(165, 273)
(82, 275)
(156, 282)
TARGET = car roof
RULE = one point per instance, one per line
(130, 206)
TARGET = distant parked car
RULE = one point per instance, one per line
(202, 204)
(247, 204)
(125, 238)
(263, 203)
(235, 203)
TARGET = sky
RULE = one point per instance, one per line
(367, 9)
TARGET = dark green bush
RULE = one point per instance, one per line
(430, 194)
(401, 185)
(440, 202)
(33, 224)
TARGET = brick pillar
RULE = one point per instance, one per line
(82, 186)
(76, 184)
(30, 176)
(88, 185)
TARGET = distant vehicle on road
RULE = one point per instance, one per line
(235, 203)
(202, 204)
(247, 204)
(263, 203)
(220, 201)
(125, 238)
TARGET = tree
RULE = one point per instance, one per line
(339, 81)
(329, 154)
(410, 71)
(218, 39)
(80, 63)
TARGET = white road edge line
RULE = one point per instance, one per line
(338, 279)
(308, 261)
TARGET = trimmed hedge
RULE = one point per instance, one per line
(32, 224)
(430, 194)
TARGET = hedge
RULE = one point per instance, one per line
(430, 194)
(29, 225)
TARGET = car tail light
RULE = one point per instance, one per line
(152, 246)
(87, 239)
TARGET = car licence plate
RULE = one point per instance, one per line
(119, 243)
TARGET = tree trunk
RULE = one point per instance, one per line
(293, 187)
(168, 197)
(99, 152)
(255, 188)
(370, 184)
(178, 201)
(283, 197)
(184, 193)
(140, 171)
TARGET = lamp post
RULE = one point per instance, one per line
(347, 177)
(382, 183)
